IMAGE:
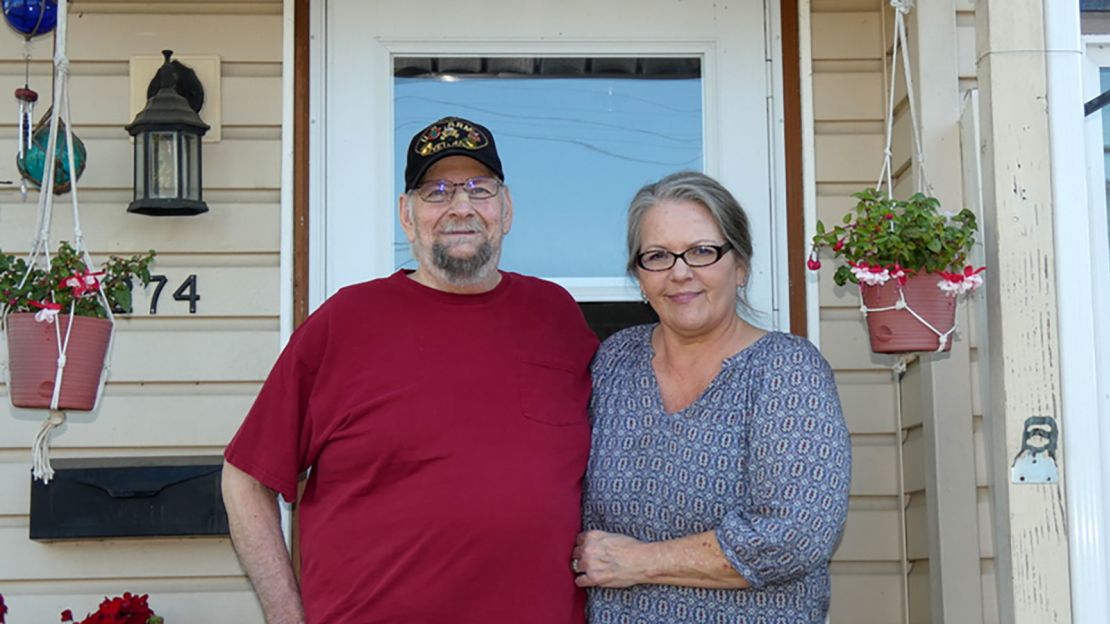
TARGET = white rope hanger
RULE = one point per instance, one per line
(39, 254)
(886, 174)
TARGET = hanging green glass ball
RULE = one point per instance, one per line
(33, 162)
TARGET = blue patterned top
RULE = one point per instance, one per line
(762, 457)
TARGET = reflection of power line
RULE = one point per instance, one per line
(600, 150)
(537, 85)
(569, 120)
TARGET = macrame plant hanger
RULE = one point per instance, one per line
(40, 252)
(886, 174)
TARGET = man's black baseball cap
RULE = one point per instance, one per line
(450, 136)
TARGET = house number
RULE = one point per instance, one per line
(187, 291)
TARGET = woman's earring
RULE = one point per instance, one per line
(643, 297)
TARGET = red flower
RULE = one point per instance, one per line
(888, 216)
(125, 609)
(838, 245)
(67, 616)
(813, 263)
(3, 608)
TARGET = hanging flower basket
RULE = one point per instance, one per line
(910, 261)
(39, 302)
(33, 360)
(897, 330)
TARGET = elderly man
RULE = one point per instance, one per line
(441, 417)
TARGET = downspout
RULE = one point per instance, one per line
(1078, 375)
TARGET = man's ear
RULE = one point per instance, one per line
(404, 212)
(507, 211)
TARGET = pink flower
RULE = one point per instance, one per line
(959, 283)
(870, 275)
(67, 616)
(839, 245)
(48, 310)
(888, 216)
(81, 283)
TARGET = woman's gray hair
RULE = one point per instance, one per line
(702, 189)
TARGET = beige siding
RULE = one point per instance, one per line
(180, 382)
(848, 105)
(850, 47)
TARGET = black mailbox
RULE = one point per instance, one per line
(129, 497)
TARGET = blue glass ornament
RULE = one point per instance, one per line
(33, 161)
(31, 18)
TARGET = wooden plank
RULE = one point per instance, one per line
(833, 165)
(845, 345)
(201, 355)
(164, 557)
(917, 527)
(848, 96)
(867, 400)
(846, 35)
(920, 594)
(98, 37)
(874, 466)
(871, 535)
(989, 587)
(231, 163)
(871, 597)
(110, 229)
(913, 460)
(151, 415)
(154, 351)
(223, 291)
(100, 100)
(966, 50)
(985, 512)
(982, 471)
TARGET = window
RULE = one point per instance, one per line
(578, 137)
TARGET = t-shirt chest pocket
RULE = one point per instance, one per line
(553, 392)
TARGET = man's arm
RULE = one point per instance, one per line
(255, 522)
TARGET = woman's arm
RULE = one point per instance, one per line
(612, 560)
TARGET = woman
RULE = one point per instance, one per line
(718, 479)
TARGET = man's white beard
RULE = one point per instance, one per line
(467, 270)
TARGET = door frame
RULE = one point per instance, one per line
(789, 311)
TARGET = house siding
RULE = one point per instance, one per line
(882, 571)
(848, 105)
(180, 382)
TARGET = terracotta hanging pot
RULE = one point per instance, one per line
(33, 360)
(898, 331)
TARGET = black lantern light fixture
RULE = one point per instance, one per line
(167, 144)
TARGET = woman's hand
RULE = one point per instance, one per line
(609, 560)
(603, 559)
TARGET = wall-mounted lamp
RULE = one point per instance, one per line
(167, 144)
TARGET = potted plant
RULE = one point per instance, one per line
(47, 307)
(125, 609)
(910, 261)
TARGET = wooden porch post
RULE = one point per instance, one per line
(1030, 530)
(944, 380)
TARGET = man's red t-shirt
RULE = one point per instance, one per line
(447, 437)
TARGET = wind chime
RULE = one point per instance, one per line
(31, 19)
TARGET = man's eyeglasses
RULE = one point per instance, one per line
(442, 191)
(696, 256)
